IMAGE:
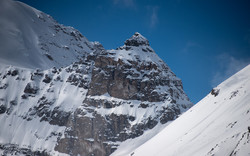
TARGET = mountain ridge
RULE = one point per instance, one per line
(33, 39)
(78, 98)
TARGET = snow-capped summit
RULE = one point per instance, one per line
(136, 40)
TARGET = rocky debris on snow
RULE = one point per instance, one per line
(215, 92)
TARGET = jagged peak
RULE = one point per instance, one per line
(136, 40)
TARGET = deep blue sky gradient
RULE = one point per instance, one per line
(203, 41)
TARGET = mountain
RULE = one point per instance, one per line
(63, 95)
(33, 39)
(218, 125)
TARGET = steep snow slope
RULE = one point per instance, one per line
(217, 125)
(32, 39)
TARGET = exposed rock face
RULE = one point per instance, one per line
(12, 149)
(99, 101)
(123, 83)
(137, 40)
(133, 79)
(90, 106)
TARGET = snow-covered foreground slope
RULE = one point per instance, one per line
(32, 39)
(217, 125)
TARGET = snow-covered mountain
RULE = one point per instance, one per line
(217, 125)
(32, 39)
(63, 95)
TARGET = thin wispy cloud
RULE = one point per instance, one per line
(190, 45)
(153, 15)
(227, 66)
(126, 3)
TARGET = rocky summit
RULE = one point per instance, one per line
(88, 106)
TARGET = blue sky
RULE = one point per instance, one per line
(203, 41)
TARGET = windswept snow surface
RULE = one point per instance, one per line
(32, 39)
(217, 125)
